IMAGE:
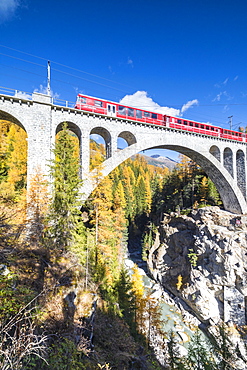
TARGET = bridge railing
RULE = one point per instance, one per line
(63, 103)
(28, 96)
(15, 93)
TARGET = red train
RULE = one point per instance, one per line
(91, 104)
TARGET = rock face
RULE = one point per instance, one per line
(202, 259)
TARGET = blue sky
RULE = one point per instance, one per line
(188, 57)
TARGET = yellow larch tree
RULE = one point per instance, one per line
(37, 205)
(97, 154)
(203, 189)
(148, 193)
(17, 161)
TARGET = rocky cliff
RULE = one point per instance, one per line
(202, 260)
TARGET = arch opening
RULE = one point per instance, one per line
(75, 134)
(241, 176)
(126, 138)
(215, 151)
(4, 116)
(71, 127)
(230, 193)
(228, 160)
(100, 146)
(13, 159)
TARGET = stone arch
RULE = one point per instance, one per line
(18, 136)
(223, 180)
(230, 193)
(72, 127)
(215, 151)
(228, 160)
(8, 117)
(128, 137)
(240, 167)
(106, 136)
(77, 131)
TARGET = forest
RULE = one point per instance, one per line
(67, 299)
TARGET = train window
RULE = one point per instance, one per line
(185, 122)
(154, 116)
(146, 114)
(202, 126)
(179, 121)
(196, 125)
(212, 129)
(138, 114)
(82, 100)
(191, 123)
(121, 110)
(207, 127)
(98, 103)
(130, 112)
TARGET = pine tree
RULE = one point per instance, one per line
(200, 355)
(213, 195)
(123, 288)
(175, 360)
(140, 195)
(64, 208)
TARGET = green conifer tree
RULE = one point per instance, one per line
(200, 355)
(175, 360)
(64, 208)
(123, 288)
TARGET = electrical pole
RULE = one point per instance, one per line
(230, 122)
(49, 78)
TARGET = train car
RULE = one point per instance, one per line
(200, 128)
(91, 104)
(233, 135)
(101, 106)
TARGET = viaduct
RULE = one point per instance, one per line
(223, 160)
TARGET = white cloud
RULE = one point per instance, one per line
(7, 9)
(225, 82)
(44, 90)
(188, 105)
(130, 62)
(140, 100)
(218, 96)
(23, 95)
(235, 78)
(222, 94)
(220, 84)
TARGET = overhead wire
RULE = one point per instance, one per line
(63, 65)
(84, 79)
(178, 106)
(23, 60)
